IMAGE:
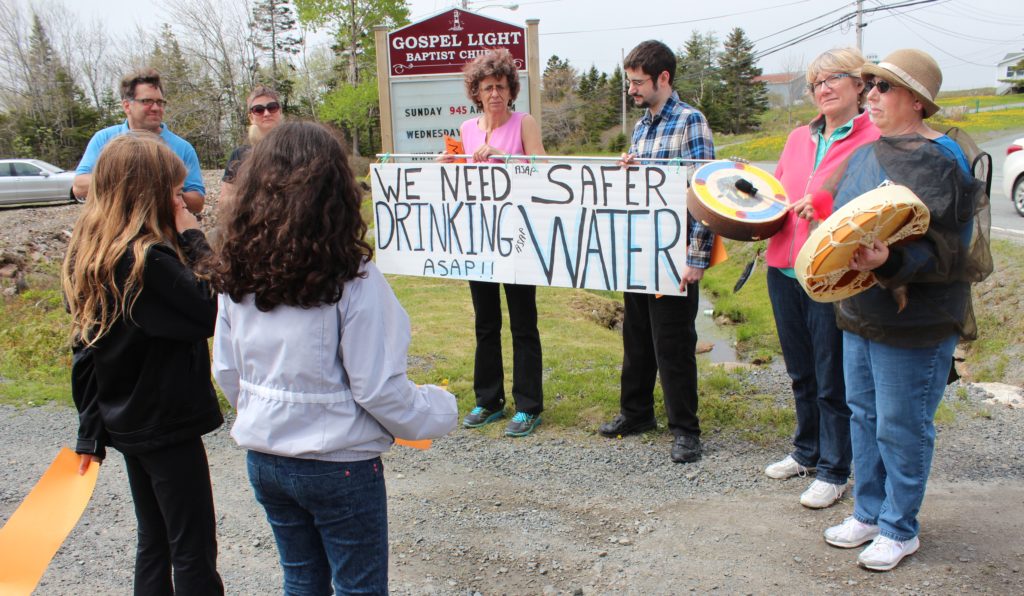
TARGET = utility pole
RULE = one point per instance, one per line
(625, 90)
(860, 25)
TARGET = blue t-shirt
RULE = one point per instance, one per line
(181, 148)
(951, 147)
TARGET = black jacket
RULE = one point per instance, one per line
(146, 383)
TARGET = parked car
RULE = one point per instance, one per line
(1013, 175)
(33, 181)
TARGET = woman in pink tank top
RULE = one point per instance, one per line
(492, 82)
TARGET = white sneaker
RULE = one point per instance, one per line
(885, 553)
(787, 468)
(852, 532)
(821, 494)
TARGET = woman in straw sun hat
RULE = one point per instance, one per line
(896, 354)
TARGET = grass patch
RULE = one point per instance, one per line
(998, 352)
(35, 354)
(978, 101)
(749, 310)
(981, 122)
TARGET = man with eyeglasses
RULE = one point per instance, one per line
(142, 98)
(659, 335)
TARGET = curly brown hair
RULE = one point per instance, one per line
(495, 63)
(295, 235)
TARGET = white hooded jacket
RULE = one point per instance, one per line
(328, 382)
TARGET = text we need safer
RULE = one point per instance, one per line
(570, 225)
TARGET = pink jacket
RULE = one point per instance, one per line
(797, 174)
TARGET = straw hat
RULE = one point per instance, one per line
(913, 69)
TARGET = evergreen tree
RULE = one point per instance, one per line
(743, 99)
(559, 79)
(55, 121)
(274, 25)
(698, 80)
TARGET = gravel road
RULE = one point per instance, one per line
(566, 512)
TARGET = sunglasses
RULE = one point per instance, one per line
(272, 107)
(883, 86)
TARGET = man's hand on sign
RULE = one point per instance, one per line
(627, 159)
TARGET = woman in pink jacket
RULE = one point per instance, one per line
(811, 342)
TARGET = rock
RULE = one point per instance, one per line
(9, 270)
(1002, 394)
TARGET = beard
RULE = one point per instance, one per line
(645, 102)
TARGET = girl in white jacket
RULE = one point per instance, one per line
(310, 348)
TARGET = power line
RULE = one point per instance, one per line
(904, 18)
(734, 14)
(832, 25)
(781, 31)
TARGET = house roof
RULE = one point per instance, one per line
(1012, 57)
(782, 77)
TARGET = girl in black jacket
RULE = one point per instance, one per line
(141, 366)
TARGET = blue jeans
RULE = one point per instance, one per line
(812, 347)
(893, 393)
(330, 521)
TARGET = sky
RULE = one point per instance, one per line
(966, 37)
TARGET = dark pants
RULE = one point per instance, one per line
(330, 521)
(812, 347)
(659, 337)
(488, 371)
(177, 524)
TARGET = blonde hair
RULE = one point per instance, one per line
(847, 60)
(130, 209)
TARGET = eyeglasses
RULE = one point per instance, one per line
(149, 102)
(829, 81)
(496, 88)
(638, 82)
(883, 86)
(272, 107)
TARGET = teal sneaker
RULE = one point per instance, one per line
(521, 425)
(481, 416)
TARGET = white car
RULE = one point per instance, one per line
(1013, 174)
(33, 181)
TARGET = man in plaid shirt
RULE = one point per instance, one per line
(659, 332)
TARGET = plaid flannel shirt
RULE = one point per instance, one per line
(679, 131)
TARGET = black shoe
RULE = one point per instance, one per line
(620, 426)
(686, 449)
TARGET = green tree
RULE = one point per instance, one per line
(53, 121)
(274, 25)
(558, 80)
(355, 109)
(743, 99)
(352, 23)
(698, 79)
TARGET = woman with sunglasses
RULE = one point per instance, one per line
(811, 342)
(899, 335)
(265, 113)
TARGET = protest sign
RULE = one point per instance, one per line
(568, 225)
